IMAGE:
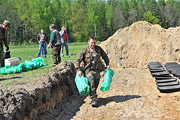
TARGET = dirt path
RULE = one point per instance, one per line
(133, 96)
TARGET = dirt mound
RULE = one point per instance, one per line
(142, 43)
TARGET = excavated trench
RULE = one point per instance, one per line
(27, 102)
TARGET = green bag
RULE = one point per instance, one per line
(82, 84)
(42, 64)
(107, 80)
(22, 65)
(9, 70)
(36, 64)
(29, 65)
(39, 59)
(4, 70)
(14, 70)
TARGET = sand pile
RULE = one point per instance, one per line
(142, 43)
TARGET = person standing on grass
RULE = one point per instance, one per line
(3, 38)
(55, 44)
(42, 39)
(64, 41)
(91, 56)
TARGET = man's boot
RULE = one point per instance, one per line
(3, 64)
(94, 102)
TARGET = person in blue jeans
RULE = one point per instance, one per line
(64, 41)
(42, 39)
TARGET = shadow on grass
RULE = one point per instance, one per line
(117, 99)
(2, 79)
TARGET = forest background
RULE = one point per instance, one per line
(83, 18)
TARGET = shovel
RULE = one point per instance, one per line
(121, 58)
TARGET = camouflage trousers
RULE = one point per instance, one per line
(1, 57)
(93, 79)
(56, 54)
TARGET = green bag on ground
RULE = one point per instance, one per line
(3, 71)
(42, 64)
(39, 59)
(107, 80)
(22, 65)
(29, 65)
(82, 84)
(36, 64)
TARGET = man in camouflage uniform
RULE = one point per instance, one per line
(55, 43)
(3, 38)
(91, 57)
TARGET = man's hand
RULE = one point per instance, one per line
(7, 48)
(79, 73)
(49, 45)
(108, 66)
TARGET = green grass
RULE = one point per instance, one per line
(30, 52)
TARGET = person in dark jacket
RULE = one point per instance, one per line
(55, 44)
(91, 58)
(42, 39)
(3, 38)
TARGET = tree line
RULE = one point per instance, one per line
(83, 18)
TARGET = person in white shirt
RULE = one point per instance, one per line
(64, 41)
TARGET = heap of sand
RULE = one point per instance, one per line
(142, 43)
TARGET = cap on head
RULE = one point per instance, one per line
(63, 27)
(6, 23)
(51, 26)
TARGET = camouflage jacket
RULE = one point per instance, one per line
(87, 58)
(3, 36)
(55, 38)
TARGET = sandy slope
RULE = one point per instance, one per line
(142, 43)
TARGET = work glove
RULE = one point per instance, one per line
(7, 48)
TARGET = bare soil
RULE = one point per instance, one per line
(133, 95)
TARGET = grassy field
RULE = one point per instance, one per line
(29, 53)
